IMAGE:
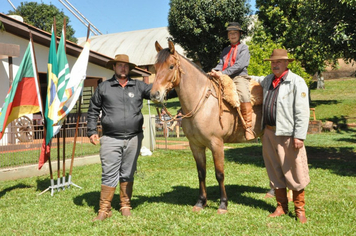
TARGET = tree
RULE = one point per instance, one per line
(41, 16)
(261, 47)
(200, 26)
(316, 31)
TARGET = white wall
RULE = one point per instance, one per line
(41, 53)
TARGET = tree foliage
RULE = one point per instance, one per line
(200, 26)
(261, 47)
(42, 15)
(315, 31)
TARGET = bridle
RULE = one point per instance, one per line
(175, 80)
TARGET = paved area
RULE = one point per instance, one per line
(32, 170)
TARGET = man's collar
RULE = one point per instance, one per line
(114, 81)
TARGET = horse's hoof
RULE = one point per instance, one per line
(197, 209)
(222, 211)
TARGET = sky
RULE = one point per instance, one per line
(110, 16)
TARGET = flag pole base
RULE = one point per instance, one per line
(71, 183)
(60, 186)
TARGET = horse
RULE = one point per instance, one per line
(207, 123)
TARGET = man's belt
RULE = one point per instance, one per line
(271, 127)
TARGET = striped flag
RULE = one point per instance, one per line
(50, 106)
(63, 76)
(24, 95)
(75, 84)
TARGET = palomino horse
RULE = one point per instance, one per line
(201, 124)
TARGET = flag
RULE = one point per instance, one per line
(23, 96)
(50, 108)
(63, 76)
(75, 84)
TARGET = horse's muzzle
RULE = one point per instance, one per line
(155, 97)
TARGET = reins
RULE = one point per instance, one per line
(211, 80)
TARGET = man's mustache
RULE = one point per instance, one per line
(121, 75)
(276, 68)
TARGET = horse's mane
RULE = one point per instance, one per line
(163, 55)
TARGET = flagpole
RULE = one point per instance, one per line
(58, 135)
(64, 120)
(76, 129)
(42, 109)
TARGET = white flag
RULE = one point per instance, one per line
(75, 84)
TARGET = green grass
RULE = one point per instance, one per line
(337, 102)
(166, 188)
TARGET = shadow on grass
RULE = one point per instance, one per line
(183, 195)
(17, 186)
(92, 200)
(340, 160)
(316, 103)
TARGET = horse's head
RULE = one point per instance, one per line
(168, 72)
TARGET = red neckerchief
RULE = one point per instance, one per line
(277, 80)
(233, 59)
(124, 83)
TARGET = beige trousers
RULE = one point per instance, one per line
(286, 166)
(242, 84)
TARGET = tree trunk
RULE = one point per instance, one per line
(320, 84)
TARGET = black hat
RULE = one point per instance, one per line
(234, 26)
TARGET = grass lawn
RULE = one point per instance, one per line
(166, 188)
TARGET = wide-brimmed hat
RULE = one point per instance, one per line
(234, 26)
(120, 58)
(279, 54)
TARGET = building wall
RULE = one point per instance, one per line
(41, 53)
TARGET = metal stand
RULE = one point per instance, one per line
(60, 185)
(71, 183)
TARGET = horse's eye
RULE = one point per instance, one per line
(171, 67)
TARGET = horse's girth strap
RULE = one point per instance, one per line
(219, 97)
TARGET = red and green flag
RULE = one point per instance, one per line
(24, 95)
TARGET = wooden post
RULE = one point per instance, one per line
(58, 135)
(64, 121)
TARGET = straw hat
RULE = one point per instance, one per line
(234, 26)
(120, 58)
(279, 54)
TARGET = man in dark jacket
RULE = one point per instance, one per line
(119, 102)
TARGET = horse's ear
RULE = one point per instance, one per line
(171, 47)
(158, 46)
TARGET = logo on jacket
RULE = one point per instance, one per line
(131, 95)
(304, 95)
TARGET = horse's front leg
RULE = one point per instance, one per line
(217, 150)
(200, 160)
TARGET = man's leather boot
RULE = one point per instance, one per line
(106, 196)
(299, 203)
(125, 198)
(246, 111)
(282, 202)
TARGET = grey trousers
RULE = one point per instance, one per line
(286, 166)
(119, 159)
(242, 84)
